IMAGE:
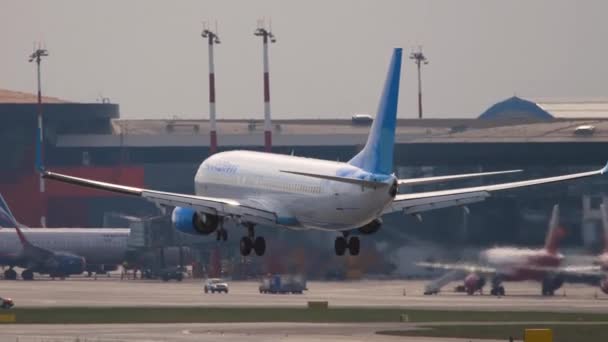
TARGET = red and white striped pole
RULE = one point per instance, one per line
(212, 38)
(266, 35)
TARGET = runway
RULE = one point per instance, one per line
(224, 332)
(394, 293)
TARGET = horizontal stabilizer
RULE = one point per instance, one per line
(361, 182)
(439, 179)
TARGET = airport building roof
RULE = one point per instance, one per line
(234, 133)
(11, 96)
(516, 108)
(577, 109)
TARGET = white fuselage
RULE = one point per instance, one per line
(97, 245)
(520, 262)
(302, 202)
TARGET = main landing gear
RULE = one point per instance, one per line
(341, 245)
(249, 242)
(497, 288)
(221, 233)
(27, 275)
(10, 274)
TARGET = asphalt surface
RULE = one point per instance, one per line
(116, 292)
(223, 332)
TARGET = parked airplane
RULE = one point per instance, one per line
(58, 252)
(596, 271)
(36, 259)
(254, 188)
(514, 264)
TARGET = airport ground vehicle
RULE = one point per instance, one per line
(6, 303)
(283, 284)
(214, 285)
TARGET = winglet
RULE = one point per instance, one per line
(604, 170)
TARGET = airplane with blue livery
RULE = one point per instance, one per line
(255, 188)
(59, 252)
(33, 258)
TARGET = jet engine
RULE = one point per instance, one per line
(604, 285)
(371, 227)
(474, 283)
(63, 264)
(190, 221)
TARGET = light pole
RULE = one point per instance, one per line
(419, 58)
(36, 56)
(212, 38)
(266, 35)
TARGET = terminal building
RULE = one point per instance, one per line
(543, 138)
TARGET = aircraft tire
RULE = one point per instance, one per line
(259, 246)
(245, 246)
(27, 275)
(340, 245)
(354, 245)
(10, 274)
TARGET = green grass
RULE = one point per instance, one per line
(71, 315)
(561, 333)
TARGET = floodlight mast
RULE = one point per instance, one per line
(419, 58)
(266, 35)
(212, 38)
(36, 56)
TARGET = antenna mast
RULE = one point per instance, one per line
(419, 58)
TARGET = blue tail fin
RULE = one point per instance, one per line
(7, 220)
(377, 155)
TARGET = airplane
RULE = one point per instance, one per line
(58, 251)
(596, 270)
(513, 264)
(256, 188)
(36, 259)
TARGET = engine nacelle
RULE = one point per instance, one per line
(371, 227)
(552, 283)
(189, 221)
(63, 264)
(604, 285)
(474, 283)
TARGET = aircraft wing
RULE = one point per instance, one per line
(470, 268)
(210, 205)
(591, 270)
(439, 179)
(423, 201)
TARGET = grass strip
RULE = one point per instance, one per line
(75, 315)
(561, 332)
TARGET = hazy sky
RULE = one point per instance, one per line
(330, 59)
